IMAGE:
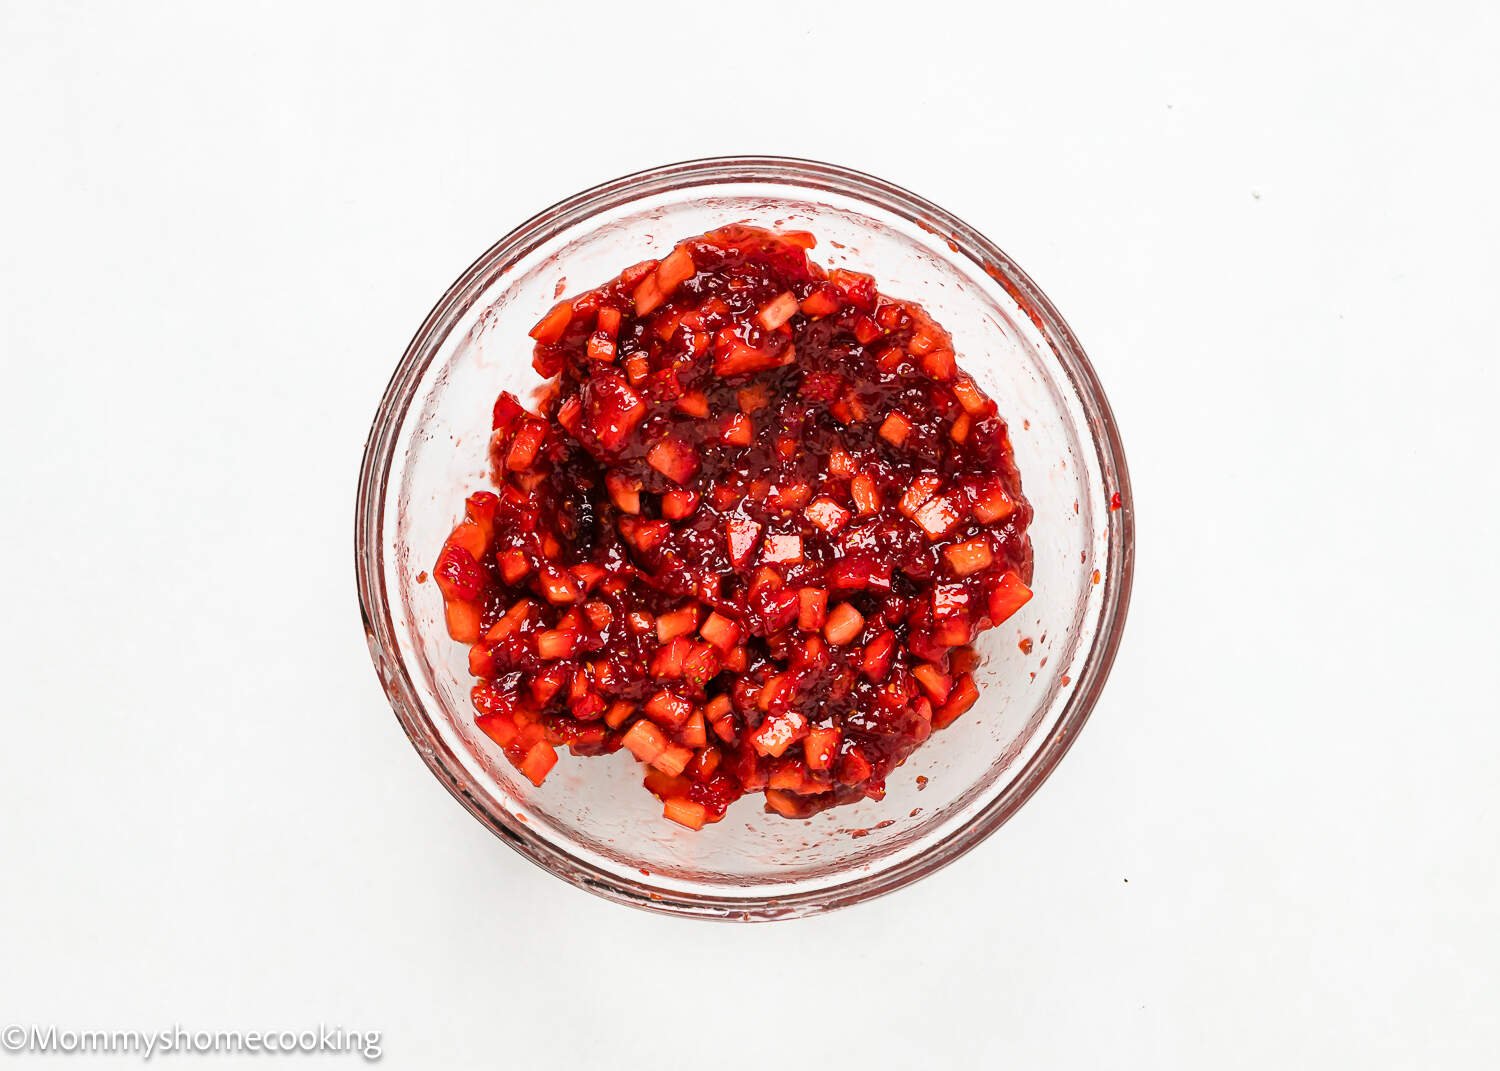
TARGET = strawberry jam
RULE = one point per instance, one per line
(749, 534)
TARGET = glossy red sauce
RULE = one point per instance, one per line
(749, 535)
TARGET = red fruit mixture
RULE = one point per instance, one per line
(749, 536)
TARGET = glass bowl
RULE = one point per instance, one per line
(592, 823)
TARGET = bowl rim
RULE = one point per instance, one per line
(963, 240)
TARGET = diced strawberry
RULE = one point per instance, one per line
(526, 445)
(667, 664)
(878, 655)
(1009, 594)
(512, 621)
(618, 714)
(668, 709)
(963, 696)
(752, 398)
(694, 734)
(933, 681)
(601, 347)
(720, 631)
(823, 301)
(895, 428)
(675, 269)
(694, 404)
(940, 364)
(969, 396)
(457, 574)
(674, 459)
(919, 491)
(501, 728)
(549, 329)
(611, 408)
(854, 768)
(558, 586)
(859, 287)
(538, 762)
(677, 623)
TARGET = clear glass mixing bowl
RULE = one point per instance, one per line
(592, 823)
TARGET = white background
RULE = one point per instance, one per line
(1274, 229)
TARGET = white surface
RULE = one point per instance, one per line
(1274, 845)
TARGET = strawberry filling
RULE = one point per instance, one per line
(749, 536)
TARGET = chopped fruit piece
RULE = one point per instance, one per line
(674, 459)
(694, 404)
(845, 623)
(673, 760)
(742, 535)
(812, 609)
(677, 623)
(549, 329)
(823, 503)
(678, 503)
(776, 734)
(820, 747)
(1008, 596)
(821, 302)
(921, 489)
(738, 431)
(675, 269)
(781, 309)
(668, 709)
(694, 734)
(992, 504)
(865, 494)
(720, 631)
(625, 492)
(970, 396)
(539, 760)
(463, 621)
(501, 728)
(827, 515)
(557, 586)
(644, 740)
(969, 557)
(895, 428)
(933, 681)
(936, 516)
(554, 644)
(782, 548)
(963, 696)
(878, 655)
(685, 812)
(526, 444)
